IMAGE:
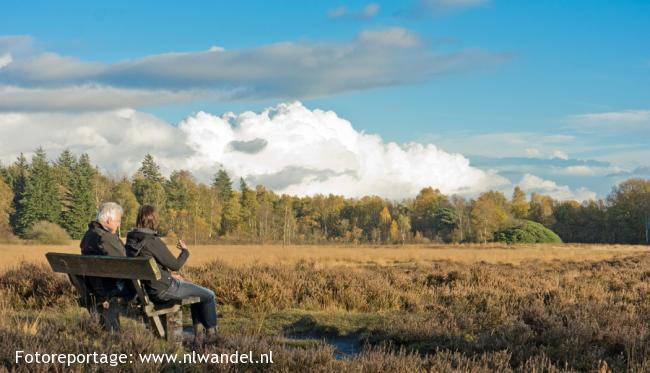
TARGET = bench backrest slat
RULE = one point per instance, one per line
(104, 266)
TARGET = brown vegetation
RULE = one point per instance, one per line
(543, 315)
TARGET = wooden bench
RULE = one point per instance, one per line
(166, 320)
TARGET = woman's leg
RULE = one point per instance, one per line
(203, 312)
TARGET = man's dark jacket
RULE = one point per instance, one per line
(146, 243)
(99, 241)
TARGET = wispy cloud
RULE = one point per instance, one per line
(288, 70)
(626, 119)
(367, 12)
(444, 5)
(510, 144)
(641, 171)
(425, 8)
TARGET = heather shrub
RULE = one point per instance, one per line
(545, 316)
(36, 286)
(526, 231)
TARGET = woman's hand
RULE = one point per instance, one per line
(178, 276)
(180, 245)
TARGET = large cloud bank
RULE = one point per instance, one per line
(289, 148)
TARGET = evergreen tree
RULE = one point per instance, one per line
(150, 169)
(223, 185)
(248, 209)
(40, 200)
(148, 184)
(64, 173)
(18, 179)
(445, 221)
(230, 217)
(64, 168)
(79, 204)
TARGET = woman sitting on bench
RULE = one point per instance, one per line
(144, 241)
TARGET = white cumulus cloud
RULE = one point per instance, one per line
(289, 148)
(299, 151)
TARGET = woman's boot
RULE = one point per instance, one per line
(199, 335)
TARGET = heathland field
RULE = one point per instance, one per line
(370, 308)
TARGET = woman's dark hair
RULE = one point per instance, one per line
(147, 217)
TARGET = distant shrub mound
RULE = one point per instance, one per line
(47, 233)
(526, 231)
(6, 235)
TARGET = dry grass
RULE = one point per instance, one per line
(326, 255)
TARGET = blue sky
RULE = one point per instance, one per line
(564, 83)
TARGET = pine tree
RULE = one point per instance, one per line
(19, 173)
(248, 210)
(150, 170)
(148, 184)
(64, 173)
(79, 202)
(40, 200)
(223, 185)
(231, 207)
(230, 217)
(64, 169)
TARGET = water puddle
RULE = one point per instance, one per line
(344, 346)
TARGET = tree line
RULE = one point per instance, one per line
(68, 190)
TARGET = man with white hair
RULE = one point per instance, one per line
(101, 237)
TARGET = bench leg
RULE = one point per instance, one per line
(173, 323)
(158, 326)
